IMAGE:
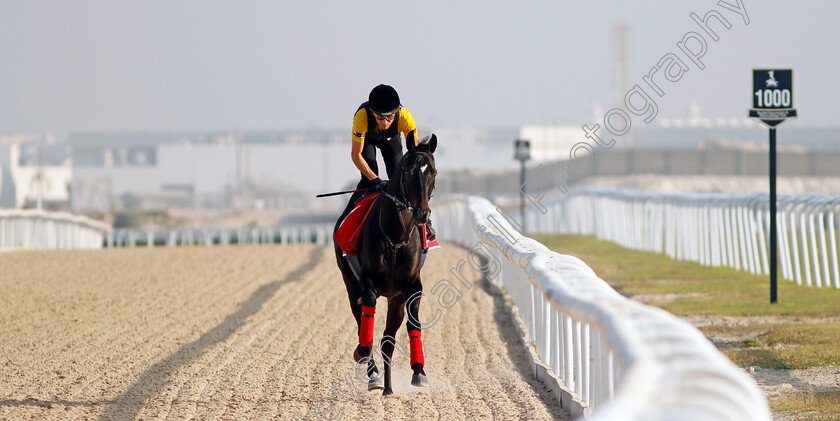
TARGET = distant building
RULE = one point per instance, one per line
(551, 143)
(33, 174)
(474, 149)
(216, 169)
(285, 169)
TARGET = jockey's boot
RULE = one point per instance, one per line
(430, 236)
(355, 265)
(430, 232)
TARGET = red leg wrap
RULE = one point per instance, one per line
(366, 330)
(416, 347)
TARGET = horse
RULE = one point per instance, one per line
(390, 252)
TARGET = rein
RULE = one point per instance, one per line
(401, 204)
(394, 247)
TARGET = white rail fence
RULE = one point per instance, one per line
(306, 234)
(36, 229)
(619, 359)
(714, 229)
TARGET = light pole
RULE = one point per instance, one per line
(522, 153)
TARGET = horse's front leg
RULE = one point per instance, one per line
(396, 314)
(415, 341)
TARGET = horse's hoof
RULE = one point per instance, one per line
(357, 354)
(387, 392)
(375, 383)
(419, 380)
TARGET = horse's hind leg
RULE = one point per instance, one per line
(354, 294)
(416, 343)
(396, 314)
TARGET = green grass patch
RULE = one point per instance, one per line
(784, 345)
(827, 333)
(703, 290)
(808, 405)
(788, 358)
(823, 333)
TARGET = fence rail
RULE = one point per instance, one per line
(36, 229)
(307, 234)
(619, 359)
(713, 229)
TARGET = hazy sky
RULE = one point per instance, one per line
(176, 65)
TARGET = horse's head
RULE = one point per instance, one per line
(416, 178)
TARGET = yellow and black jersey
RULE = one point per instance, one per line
(365, 128)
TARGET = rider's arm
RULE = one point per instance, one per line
(361, 164)
(408, 127)
(360, 125)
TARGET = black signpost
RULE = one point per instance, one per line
(772, 99)
(522, 153)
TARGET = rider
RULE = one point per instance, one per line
(377, 125)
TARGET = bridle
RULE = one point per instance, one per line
(402, 201)
(402, 204)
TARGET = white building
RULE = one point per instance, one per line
(474, 149)
(551, 143)
(28, 184)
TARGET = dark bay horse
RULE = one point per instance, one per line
(389, 259)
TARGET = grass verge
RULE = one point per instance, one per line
(808, 405)
(701, 290)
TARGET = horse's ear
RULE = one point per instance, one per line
(409, 141)
(432, 143)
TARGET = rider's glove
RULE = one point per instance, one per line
(379, 185)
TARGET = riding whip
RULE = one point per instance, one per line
(340, 192)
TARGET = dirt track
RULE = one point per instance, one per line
(237, 333)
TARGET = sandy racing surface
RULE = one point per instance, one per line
(251, 332)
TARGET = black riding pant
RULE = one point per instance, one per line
(392, 151)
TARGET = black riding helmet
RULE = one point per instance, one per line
(384, 100)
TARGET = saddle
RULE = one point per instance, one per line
(350, 230)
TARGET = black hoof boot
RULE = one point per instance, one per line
(361, 353)
(419, 378)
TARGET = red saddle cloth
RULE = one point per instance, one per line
(348, 233)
